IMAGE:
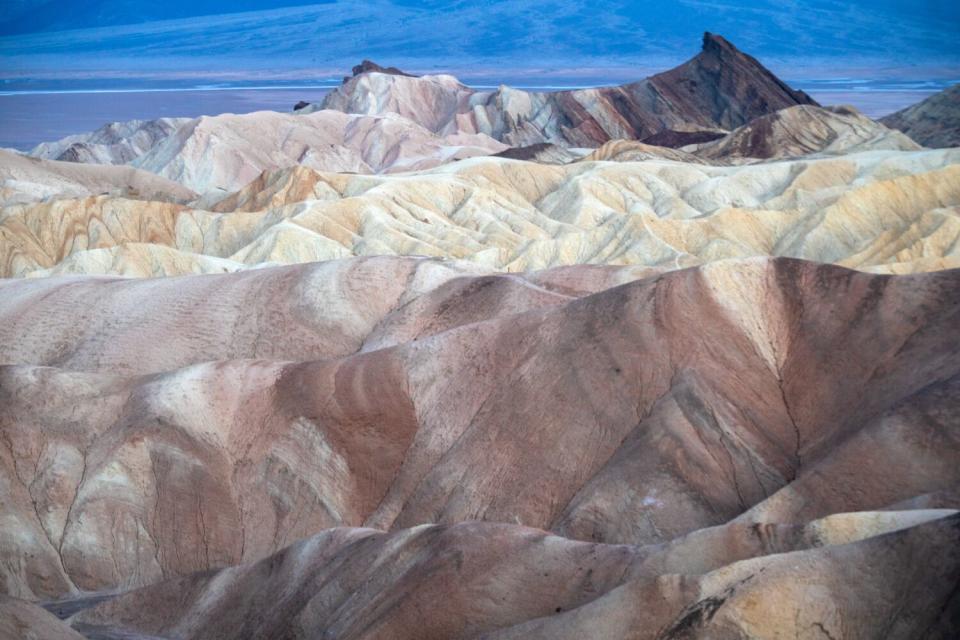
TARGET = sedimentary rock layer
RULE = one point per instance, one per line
(23, 620)
(624, 392)
(114, 143)
(771, 391)
(719, 88)
(223, 153)
(935, 122)
(24, 179)
(881, 210)
(837, 577)
(802, 130)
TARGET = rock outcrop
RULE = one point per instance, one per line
(719, 88)
(25, 179)
(502, 581)
(935, 122)
(677, 139)
(804, 130)
(23, 620)
(385, 120)
(137, 450)
(542, 152)
(633, 151)
(368, 65)
(115, 143)
(223, 153)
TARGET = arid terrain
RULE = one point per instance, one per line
(673, 359)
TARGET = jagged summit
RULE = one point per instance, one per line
(369, 66)
(720, 88)
(719, 47)
(715, 44)
(725, 86)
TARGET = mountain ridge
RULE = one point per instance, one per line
(722, 88)
(933, 122)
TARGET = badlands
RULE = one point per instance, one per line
(676, 359)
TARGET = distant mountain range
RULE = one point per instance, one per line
(935, 122)
(127, 36)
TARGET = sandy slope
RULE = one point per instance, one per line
(888, 211)
(25, 179)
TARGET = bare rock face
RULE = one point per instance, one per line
(677, 139)
(317, 311)
(406, 381)
(506, 581)
(26, 179)
(115, 143)
(632, 151)
(627, 204)
(542, 152)
(804, 130)
(368, 66)
(123, 466)
(794, 132)
(240, 147)
(719, 88)
(223, 153)
(722, 87)
(22, 620)
(384, 120)
(935, 122)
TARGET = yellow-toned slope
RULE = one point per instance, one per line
(889, 211)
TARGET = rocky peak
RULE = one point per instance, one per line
(722, 86)
(368, 66)
(717, 45)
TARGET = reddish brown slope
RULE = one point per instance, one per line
(504, 581)
(724, 87)
(711, 389)
(721, 87)
(934, 122)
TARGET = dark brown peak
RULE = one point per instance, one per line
(303, 104)
(713, 43)
(368, 66)
(723, 87)
(719, 50)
